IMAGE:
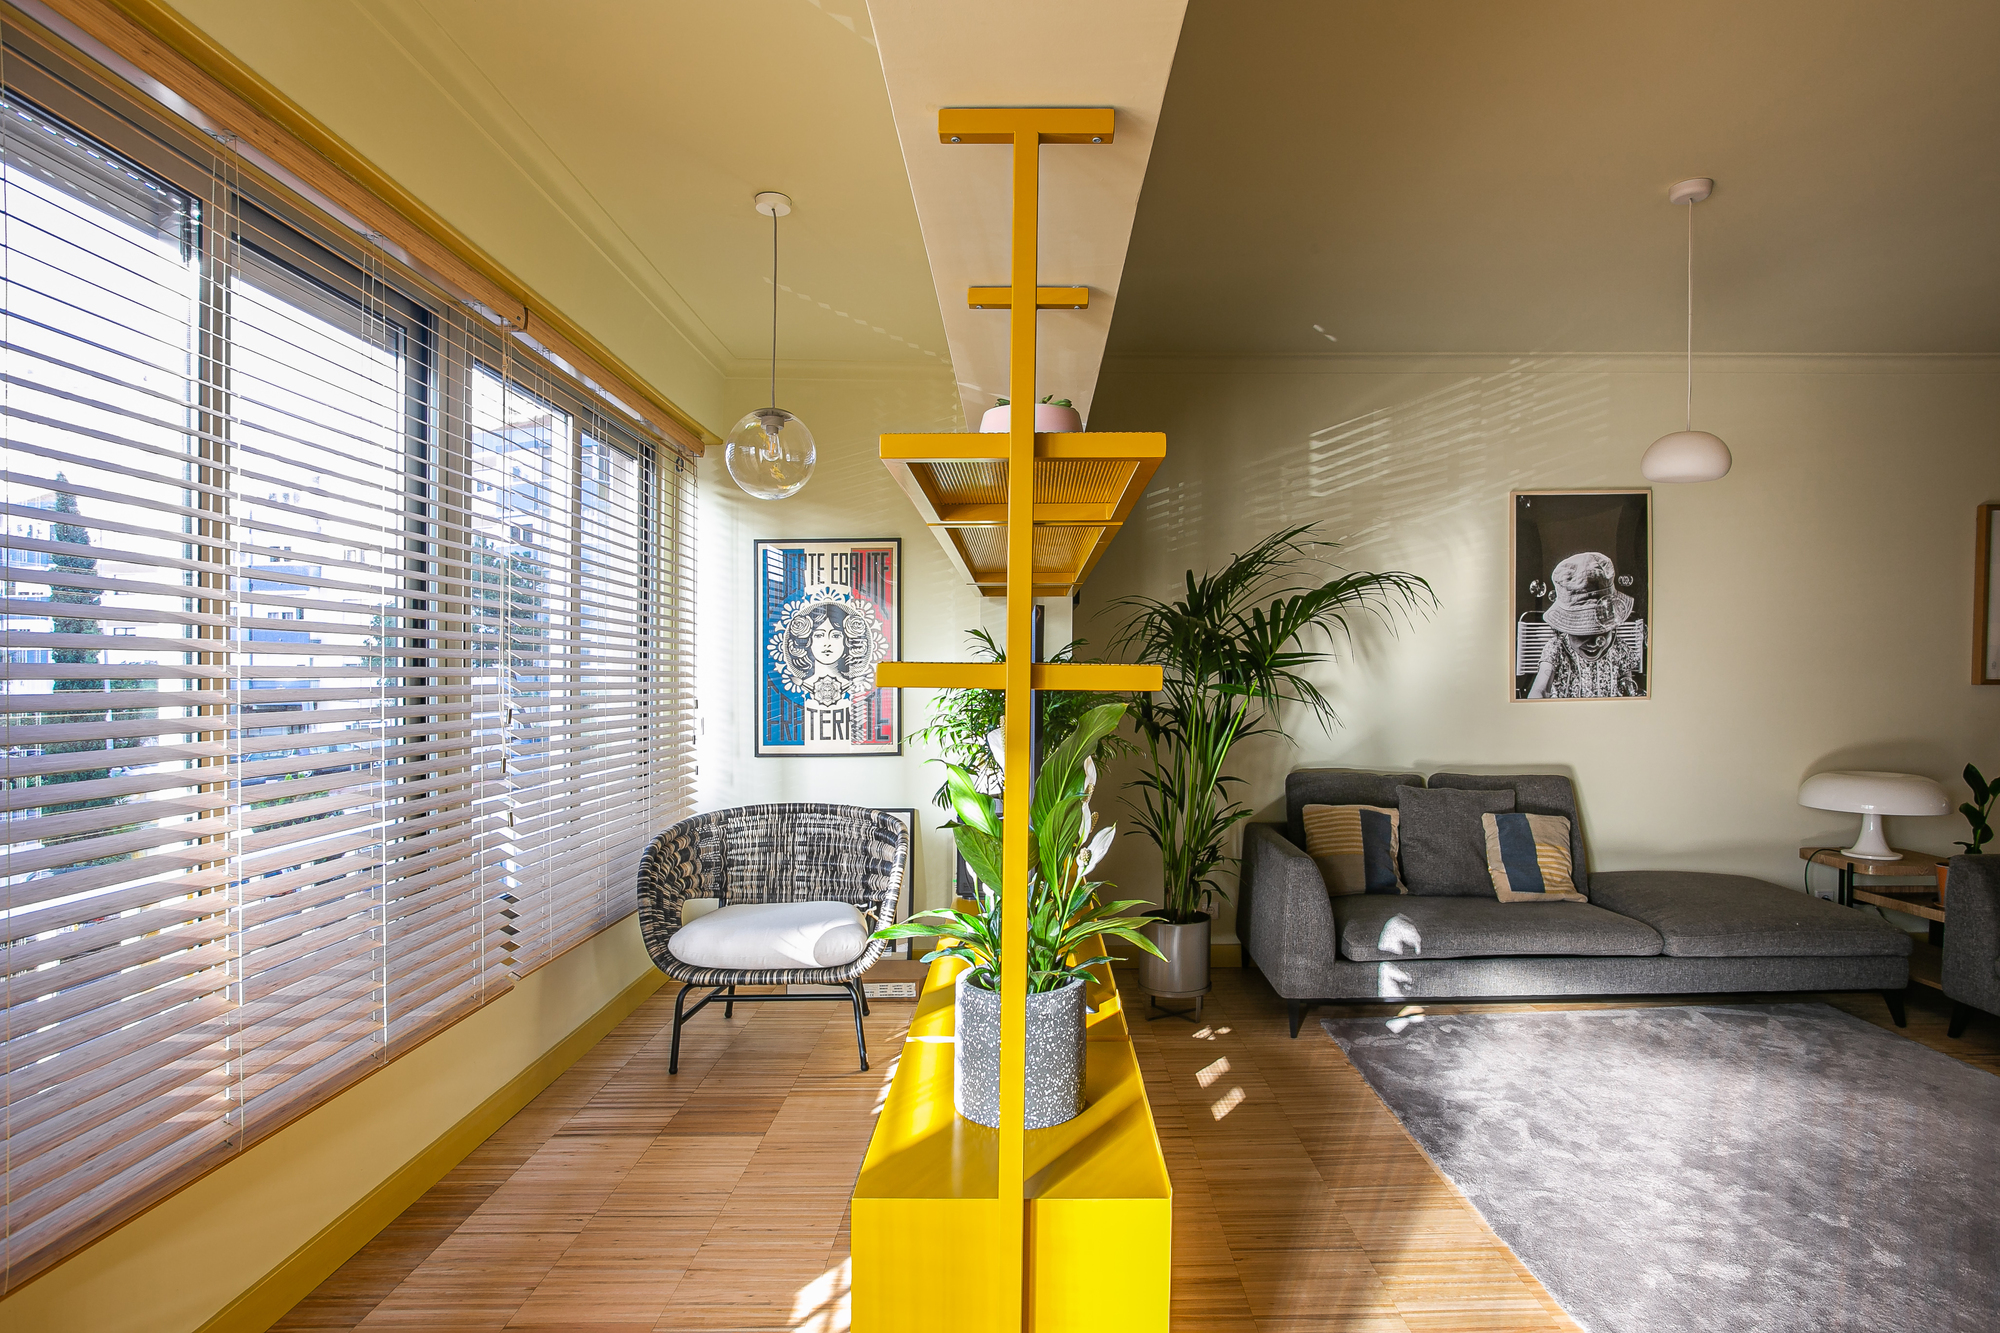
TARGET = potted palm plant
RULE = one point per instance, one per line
(1235, 647)
(1065, 917)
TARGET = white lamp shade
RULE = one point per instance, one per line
(1686, 455)
(1874, 793)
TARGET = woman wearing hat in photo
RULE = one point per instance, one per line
(1585, 658)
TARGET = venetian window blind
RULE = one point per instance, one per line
(347, 654)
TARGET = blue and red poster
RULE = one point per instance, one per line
(827, 612)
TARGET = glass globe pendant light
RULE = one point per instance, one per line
(1688, 454)
(770, 452)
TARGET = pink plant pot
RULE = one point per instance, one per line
(1049, 419)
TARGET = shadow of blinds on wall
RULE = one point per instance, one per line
(347, 661)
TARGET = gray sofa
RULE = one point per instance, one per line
(1643, 932)
(1972, 938)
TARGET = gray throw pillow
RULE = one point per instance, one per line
(1443, 842)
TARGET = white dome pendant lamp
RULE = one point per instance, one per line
(1689, 454)
(770, 453)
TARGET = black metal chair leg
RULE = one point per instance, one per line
(1296, 1011)
(1961, 1014)
(860, 1032)
(729, 1005)
(674, 1058)
(1895, 1002)
(865, 1010)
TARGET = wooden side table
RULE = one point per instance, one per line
(1908, 865)
(1860, 883)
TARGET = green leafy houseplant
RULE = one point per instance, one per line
(961, 720)
(1064, 844)
(1978, 811)
(1235, 647)
(1050, 399)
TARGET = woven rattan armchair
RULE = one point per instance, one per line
(772, 854)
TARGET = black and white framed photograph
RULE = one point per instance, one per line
(1583, 575)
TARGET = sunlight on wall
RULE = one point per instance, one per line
(1855, 484)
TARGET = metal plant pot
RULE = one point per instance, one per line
(1183, 973)
(1055, 1055)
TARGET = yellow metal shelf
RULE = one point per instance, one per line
(1086, 486)
(1099, 1202)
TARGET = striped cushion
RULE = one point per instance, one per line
(1527, 857)
(1355, 846)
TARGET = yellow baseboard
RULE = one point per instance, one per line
(263, 1304)
(1225, 955)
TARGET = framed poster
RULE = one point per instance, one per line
(827, 612)
(1583, 569)
(1986, 600)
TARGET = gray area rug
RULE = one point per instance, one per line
(1766, 1168)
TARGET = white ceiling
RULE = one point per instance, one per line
(971, 53)
(1409, 175)
(1438, 176)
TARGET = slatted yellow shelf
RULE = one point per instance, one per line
(1100, 1207)
(1086, 486)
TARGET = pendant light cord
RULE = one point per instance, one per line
(774, 310)
(1690, 358)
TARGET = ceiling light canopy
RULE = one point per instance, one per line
(1688, 454)
(770, 452)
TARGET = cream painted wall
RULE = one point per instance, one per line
(173, 1268)
(850, 495)
(1812, 610)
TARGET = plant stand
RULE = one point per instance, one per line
(1097, 1199)
(1191, 1015)
(1068, 1226)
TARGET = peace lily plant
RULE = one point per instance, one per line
(1065, 843)
(1066, 917)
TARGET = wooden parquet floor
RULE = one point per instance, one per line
(622, 1200)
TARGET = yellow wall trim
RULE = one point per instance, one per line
(267, 1301)
(1225, 955)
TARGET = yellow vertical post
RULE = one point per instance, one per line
(1025, 129)
(1018, 773)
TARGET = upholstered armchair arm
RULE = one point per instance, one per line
(886, 885)
(1972, 931)
(1291, 933)
(669, 874)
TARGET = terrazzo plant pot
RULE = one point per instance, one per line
(1055, 1055)
(1183, 973)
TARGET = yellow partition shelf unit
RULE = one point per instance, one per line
(1099, 1205)
(1007, 1230)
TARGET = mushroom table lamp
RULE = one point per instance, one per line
(1873, 795)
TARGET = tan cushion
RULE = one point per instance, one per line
(1355, 847)
(1527, 857)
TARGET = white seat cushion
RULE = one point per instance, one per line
(773, 935)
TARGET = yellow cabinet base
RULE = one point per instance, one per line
(1099, 1204)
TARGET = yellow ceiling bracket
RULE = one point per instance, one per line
(1022, 515)
(1046, 298)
